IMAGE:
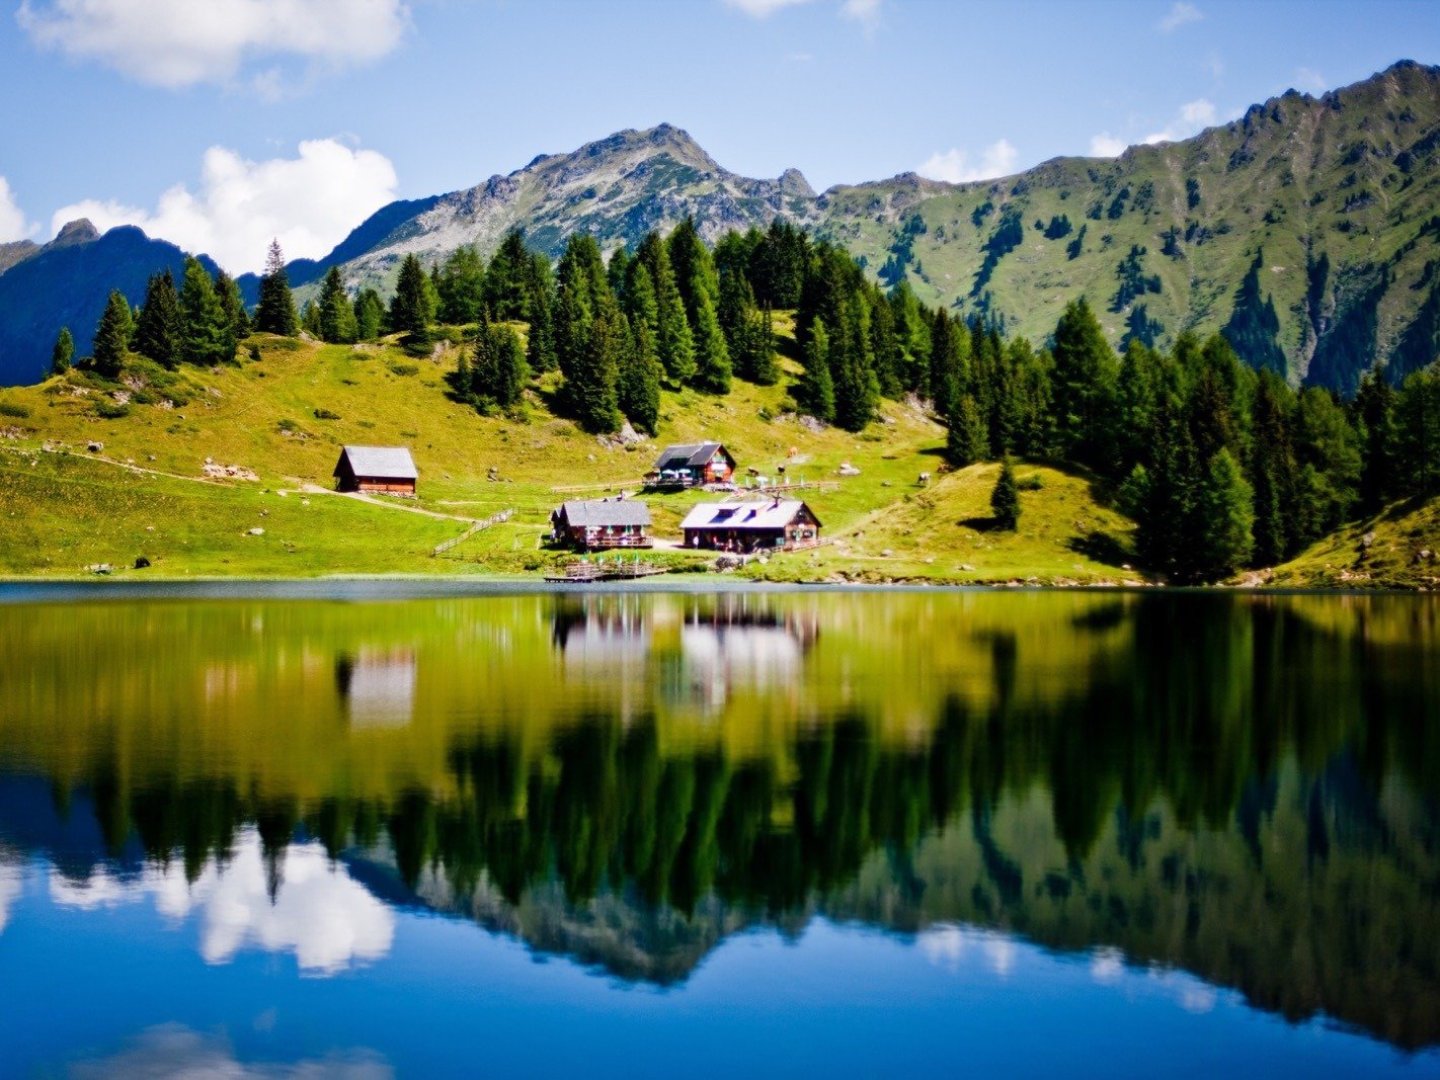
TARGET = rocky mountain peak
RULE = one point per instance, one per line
(79, 231)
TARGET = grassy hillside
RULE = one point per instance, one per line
(1399, 547)
(143, 491)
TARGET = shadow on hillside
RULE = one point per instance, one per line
(1100, 546)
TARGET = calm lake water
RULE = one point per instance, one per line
(757, 833)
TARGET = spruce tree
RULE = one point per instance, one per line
(506, 290)
(412, 308)
(112, 337)
(1375, 411)
(1272, 474)
(966, 442)
(337, 317)
(712, 357)
(276, 311)
(63, 354)
(207, 337)
(1084, 382)
(591, 388)
(158, 330)
(498, 371)
(369, 315)
(540, 346)
(228, 290)
(1005, 499)
(673, 339)
(694, 268)
(461, 287)
(310, 319)
(816, 390)
(639, 380)
(1225, 519)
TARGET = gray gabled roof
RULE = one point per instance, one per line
(388, 462)
(587, 513)
(692, 455)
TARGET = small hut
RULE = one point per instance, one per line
(598, 524)
(690, 464)
(386, 469)
(751, 526)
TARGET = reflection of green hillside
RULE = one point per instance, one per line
(1244, 787)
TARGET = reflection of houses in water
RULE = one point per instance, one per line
(742, 641)
(598, 634)
(377, 686)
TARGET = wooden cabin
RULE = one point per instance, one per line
(600, 524)
(691, 464)
(389, 470)
(751, 526)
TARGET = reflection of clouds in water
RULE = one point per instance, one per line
(171, 1052)
(378, 687)
(327, 919)
(1107, 964)
(945, 946)
(12, 878)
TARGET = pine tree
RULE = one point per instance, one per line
(1272, 474)
(1375, 411)
(158, 329)
(695, 274)
(461, 287)
(112, 337)
(1005, 499)
(1225, 518)
(640, 375)
(591, 388)
(1084, 382)
(674, 341)
(412, 309)
(816, 390)
(369, 315)
(310, 319)
(63, 354)
(966, 442)
(228, 290)
(1417, 415)
(497, 371)
(506, 293)
(540, 346)
(712, 357)
(337, 317)
(207, 337)
(276, 311)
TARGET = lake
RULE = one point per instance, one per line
(351, 831)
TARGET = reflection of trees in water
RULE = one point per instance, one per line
(1195, 804)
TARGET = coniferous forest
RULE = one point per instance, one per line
(1219, 461)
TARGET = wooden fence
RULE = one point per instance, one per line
(478, 526)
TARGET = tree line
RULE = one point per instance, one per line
(1222, 465)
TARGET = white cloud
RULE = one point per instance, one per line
(762, 9)
(1190, 119)
(1180, 14)
(953, 165)
(13, 225)
(310, 203)
(11, 882)
(945, 946)
(322, 915)
(1107, 964)
(176, 43)
(864, 12)
(172, 1050)
(1106, 145)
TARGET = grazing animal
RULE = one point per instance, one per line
(924, 479)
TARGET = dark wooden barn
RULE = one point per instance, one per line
(386, 469)
(599, 524)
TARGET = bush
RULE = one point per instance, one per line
(108, 410)
(12, 409)
(398, 367)
(326, 414)
(1033, 482)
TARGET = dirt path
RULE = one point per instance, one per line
(386, 504)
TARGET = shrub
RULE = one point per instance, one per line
(15, 410)
(326, 414)
(398, 367)
(108, 410)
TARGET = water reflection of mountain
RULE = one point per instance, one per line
(1239, 789)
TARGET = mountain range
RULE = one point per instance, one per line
(1308, 231)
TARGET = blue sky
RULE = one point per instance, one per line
(222, 122)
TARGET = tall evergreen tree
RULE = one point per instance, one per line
(412, 307)
(1084, 382)
(1225, 519)
(712, 357)
(966, 442)
(506, 291)
(1375, 411)
(674, 341)
(816, 390)
(158, 330)
(63, 354)
(112, 336)
(369, 315)
(337, 317)
(1272, 474)
(461, 287)
(497, 370)
(228, 290)
(639, 378)
(207, 337)
(276, 311)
